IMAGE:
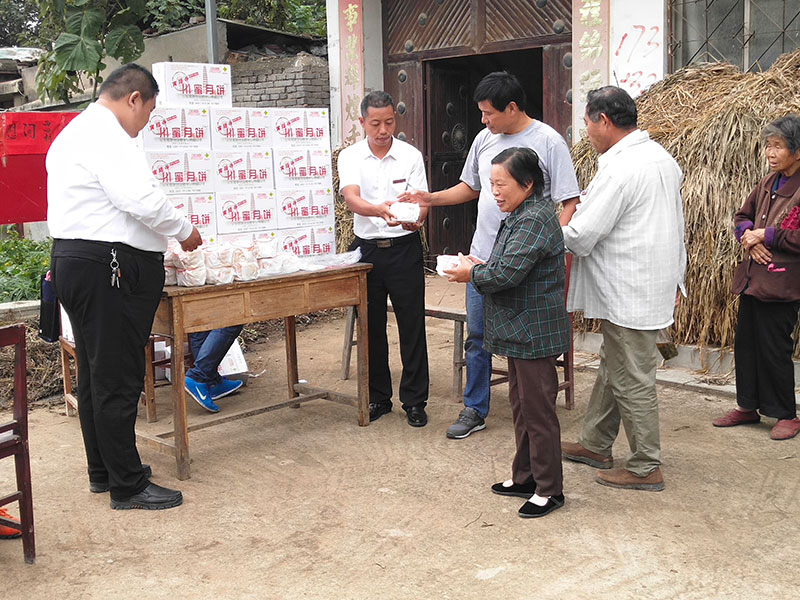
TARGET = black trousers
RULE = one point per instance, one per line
(763, 353)
(397, 272)
(111, 327)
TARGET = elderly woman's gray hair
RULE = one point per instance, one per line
(786, 128)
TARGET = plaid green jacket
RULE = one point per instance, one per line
(525, 314)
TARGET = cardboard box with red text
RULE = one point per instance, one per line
(193, 84)
(246, 212)
(237, 128)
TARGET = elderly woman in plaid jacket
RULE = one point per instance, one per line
(526, 320)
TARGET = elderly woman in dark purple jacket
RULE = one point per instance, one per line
(768, 284)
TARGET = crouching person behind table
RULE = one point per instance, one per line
(372, 173)
(110, 222)
(525, 319)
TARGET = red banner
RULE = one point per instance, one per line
(24, 141)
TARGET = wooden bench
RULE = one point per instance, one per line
(457, 315)
(459, 318)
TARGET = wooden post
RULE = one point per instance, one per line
(291, 355)
(178, 392)
(363, 352)
(458, 361)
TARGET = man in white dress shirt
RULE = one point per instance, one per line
(372, 173)
(628, 241)
(110, 222)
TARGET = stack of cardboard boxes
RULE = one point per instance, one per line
(241, 174)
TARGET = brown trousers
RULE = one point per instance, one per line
(532, 390)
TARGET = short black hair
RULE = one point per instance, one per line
(501, 88)
(523, 165)
(128, 79)
(788, 129)
(613, 102)
(377, 99)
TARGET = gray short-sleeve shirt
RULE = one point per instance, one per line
(560, 182)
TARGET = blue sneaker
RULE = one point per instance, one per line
(201, 394)
(224, 387)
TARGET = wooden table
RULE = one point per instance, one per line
(189, 309)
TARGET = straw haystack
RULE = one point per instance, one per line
(710, 118)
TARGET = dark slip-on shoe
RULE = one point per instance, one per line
(521, 490)
(529, 510)
(153, 497)
(417, 416)
(378, 409)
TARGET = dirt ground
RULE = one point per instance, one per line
(303, 503)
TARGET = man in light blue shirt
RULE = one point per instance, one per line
(502, 102)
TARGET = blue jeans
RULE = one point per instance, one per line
(479, 362)
(209, 348)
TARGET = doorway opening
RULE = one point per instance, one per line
(452, 122)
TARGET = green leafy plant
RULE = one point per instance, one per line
(19, 22)
(295, 16)
(88, 32)
(22, 264)
(169, 14)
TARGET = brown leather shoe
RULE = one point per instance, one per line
(577, 453)
(785, 429)
(622, 478)
(737, 417)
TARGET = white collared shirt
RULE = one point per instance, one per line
(628, 237)
(100, 188)
(379, 180)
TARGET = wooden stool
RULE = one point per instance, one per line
(14, 442)
(457, 315)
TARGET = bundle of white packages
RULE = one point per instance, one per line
(170, 275)
(446, 262)
(330, 261)
(219, 263)
(282, 264)
(267, 248)
(218, 255)
(191, 268)
(405, 212)
(170, 271)
(245, 265)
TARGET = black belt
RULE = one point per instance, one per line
(69, 247)
(390, 242)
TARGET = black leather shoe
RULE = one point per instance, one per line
(417, 416)
(378, 409)
(531, 510)
(153, 497)
(100, 487)
(521, 490)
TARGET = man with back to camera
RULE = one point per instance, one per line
(110, 221)
(502, 102)
(372, 173)
(628, 241)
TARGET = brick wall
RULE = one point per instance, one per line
(289, 81)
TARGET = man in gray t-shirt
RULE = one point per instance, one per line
(501, 100)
